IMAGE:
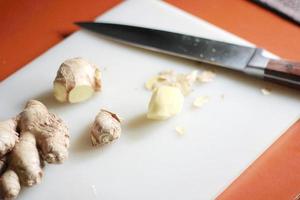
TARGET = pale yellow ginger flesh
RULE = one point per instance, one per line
(166, 101)
(41, 137)
(76, 81)
(180, 130)
(106, 128)
(200, 101)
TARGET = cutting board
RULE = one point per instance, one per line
(151, 161)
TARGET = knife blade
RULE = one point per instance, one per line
(248, 60)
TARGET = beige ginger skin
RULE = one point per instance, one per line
(8, 136)
(40, 136)
(76, 81)
(106, 128)
(25, 160)
(51, 134)
(10, 184)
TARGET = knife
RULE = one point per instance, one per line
(248, 60)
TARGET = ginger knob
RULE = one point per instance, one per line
(166, 101)
(27, 141)
(106, 128)
(76, 81)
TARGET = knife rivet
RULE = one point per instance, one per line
(213, 50)
(212, 59)
(201, 55)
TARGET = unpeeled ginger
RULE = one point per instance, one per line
(106, 128)
(76, 81)
(27, 141)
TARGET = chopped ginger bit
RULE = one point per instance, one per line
(200, 101)
(180, 130)
(156, 81)
(169, 78)
(206, 76)
(265, 91)
(186, 81)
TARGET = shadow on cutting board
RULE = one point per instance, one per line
(83, 144)
(136, 126)
(50, 102)
(139, 121)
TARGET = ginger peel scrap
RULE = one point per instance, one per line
(184, 82)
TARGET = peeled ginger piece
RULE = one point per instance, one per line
(166, 101)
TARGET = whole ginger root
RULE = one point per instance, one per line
(26, 142)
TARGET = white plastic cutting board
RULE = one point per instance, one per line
(150, 161)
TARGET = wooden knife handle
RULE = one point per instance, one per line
(283, 72)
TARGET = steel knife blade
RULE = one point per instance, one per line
(248, 60)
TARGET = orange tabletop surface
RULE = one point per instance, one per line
(30, 27)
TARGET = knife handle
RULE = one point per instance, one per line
(283, 72)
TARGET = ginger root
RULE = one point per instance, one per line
(35, 136)
(106, 128)
(166, 101)
(76, 81)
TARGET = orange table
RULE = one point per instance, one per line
(30, 27)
